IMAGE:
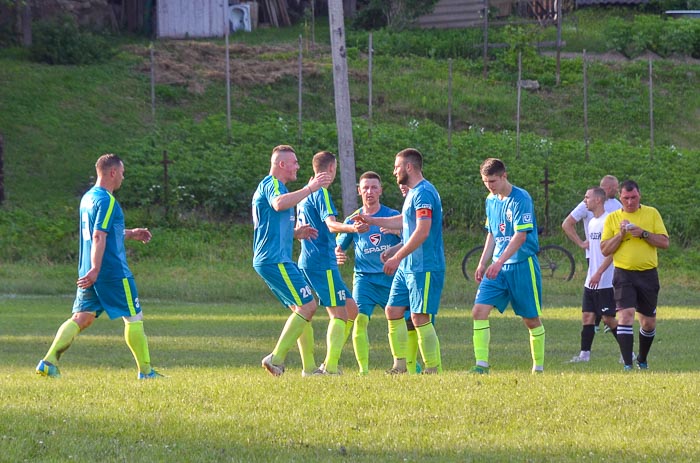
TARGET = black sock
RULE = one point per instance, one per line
(625, 338)
(645, 340)
(587, 334)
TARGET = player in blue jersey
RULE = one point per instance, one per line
(318, 262)
(371, 285)
(273, 237)
(105, 283)
(508, 270)
(418, 265)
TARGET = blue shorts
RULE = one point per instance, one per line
(119, 298)
(329, 286)
(370, 290)
(419, 291)
(287, 283)
(519, 283)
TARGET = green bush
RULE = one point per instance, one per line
(61, 41)
(664, 36)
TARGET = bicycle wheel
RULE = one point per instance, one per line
(471, 261)
(556, 263)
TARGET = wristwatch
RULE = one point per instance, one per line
(645, 234)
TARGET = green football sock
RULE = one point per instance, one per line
(293, 328)
(481, 339)
(348, 329)
(306, 348)
(412, 351)
(537, 346)
(360, 342)
(429, 346)
(334, 340)
(64, 338)
(398, 338)
(136, 340)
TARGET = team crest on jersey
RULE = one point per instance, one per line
(375, 238)
(509, 215)
(502, 227)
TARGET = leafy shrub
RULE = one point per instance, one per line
(61, 41)
(664, 36)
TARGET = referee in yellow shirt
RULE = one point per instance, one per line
(632, 235)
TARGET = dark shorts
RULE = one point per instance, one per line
(638, 289)
(599, 301)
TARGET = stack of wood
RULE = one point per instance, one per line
(276, 12)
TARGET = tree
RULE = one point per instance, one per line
(343, 119)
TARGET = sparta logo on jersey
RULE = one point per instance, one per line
(375, 238)
(509, 215)
(502, 227)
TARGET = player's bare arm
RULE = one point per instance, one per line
(139, 234)
(338, 227)
(420, 234)
(305, 232)
(485, 259)
(97, 252)
(513, 246)
(340, 256)
(386, 222)
(569, 227)
(291, 199)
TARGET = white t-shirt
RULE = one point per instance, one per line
(581, 212)
(595, 232)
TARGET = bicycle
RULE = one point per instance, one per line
(556, 262)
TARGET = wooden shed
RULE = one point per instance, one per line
(179, 19)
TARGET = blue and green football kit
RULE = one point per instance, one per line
(114, 291)
(371, 285)
(273, 239)
(317, 258)
(519, 281)
(420, 277)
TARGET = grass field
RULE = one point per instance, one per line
(217, 404)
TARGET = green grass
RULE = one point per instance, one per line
(217, 404)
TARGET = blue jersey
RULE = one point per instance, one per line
(370, 244)
(317, 254)
(430, 255)
(504, 217)
(100, 211)
(273, 235)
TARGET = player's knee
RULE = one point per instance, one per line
(84, 319)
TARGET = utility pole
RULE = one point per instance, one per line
(343, 118)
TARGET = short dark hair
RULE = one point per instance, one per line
(412, 156)
(629, 185)
(372, 175)
(281, 148)
(106, 162)
(598, 191)
(322, 160)
(492, 166)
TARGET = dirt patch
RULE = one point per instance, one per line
(196, 64)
